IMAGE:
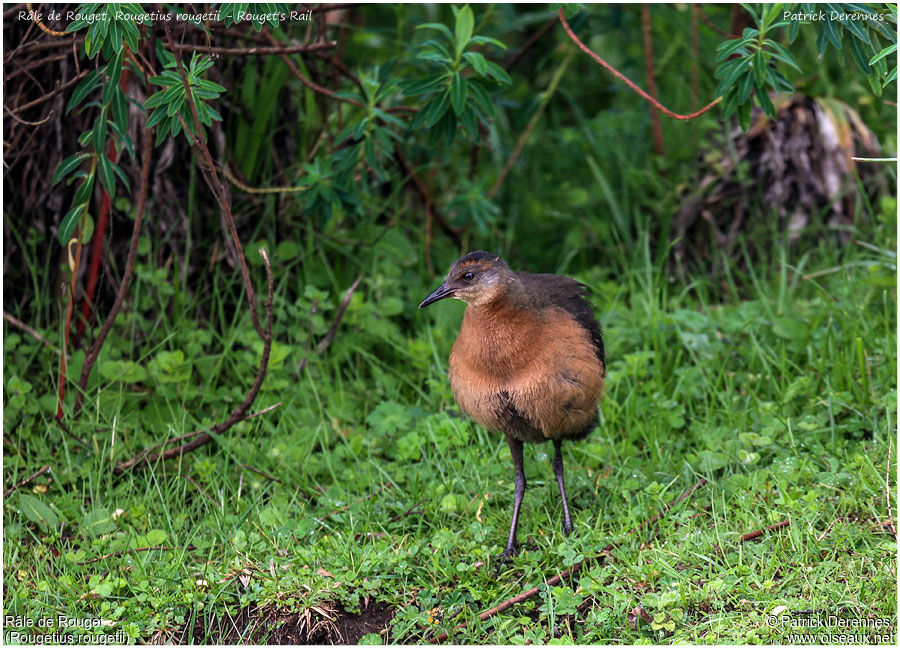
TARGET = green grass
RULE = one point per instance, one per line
(782, 395)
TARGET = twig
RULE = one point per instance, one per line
(647, 25)
(709, 23)
(146, 452)
(455, 233)
(118, 554)
(259, 190)
(68, 84)
(41, 25)
(574, 569)
(753, 535)
(584, 48)
(25, 481)
(32, 332)
(315, 87)
(530, 126)
(25, 122)
(519, 53)
(260, 473)
(326, 341)
(94, 352)
(149, 455)
(257, 51)
(202, 490)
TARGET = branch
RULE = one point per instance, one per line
(260, 51)
(584, 48)
(238, 414)
(326, 341)
(530, 126)
(315, 87)
(51, 94)
(753, 535)
(25, 481)
(574, 569)
(32, 332)
(647, 25)
(218, 189)
(42, 26)
(455, 233)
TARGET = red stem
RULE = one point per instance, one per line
(87, 308)
(584, 48)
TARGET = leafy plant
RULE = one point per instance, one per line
(749, 65)
(171, 108)
(451, 96)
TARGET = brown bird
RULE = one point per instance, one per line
(528, 362)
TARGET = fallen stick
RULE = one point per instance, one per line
(25, 481)
(753, 535)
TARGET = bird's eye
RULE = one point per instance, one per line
(468, 276)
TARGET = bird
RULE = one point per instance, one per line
(529, 361)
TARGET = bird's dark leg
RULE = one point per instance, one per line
(558, 470)
(515, 449)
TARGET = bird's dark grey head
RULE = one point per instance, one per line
(475, 278)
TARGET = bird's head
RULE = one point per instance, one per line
(476, 279)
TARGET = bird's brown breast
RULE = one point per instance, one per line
(531, 373)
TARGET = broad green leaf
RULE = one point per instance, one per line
(38, 512)
(68, 165)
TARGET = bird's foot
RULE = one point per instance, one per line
(567, 527)
(510, 552)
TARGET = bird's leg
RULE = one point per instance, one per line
(558, 470)
(515, 449)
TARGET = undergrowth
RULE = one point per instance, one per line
(366, 484)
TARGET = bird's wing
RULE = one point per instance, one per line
(557, 290)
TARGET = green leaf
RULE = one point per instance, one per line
(859, 56)
(740, 67)
(782, 54)
(487, 40)
(100, 132)
(437, 108)
(477, 61)
(97, 522)
(68, 165)
(83, 193)
(438, 26)
(465, 25)
(87, 85)
(738, 45)
(765, 103)
(38, 512)
(887, 51)
(498, 73)
(107, 176)
(744, 111)
(458, 93)
(831, 33)
(69, 222)
(745, 87)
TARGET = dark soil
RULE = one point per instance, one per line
(269, 625)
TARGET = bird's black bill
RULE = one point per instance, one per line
(441, 293)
